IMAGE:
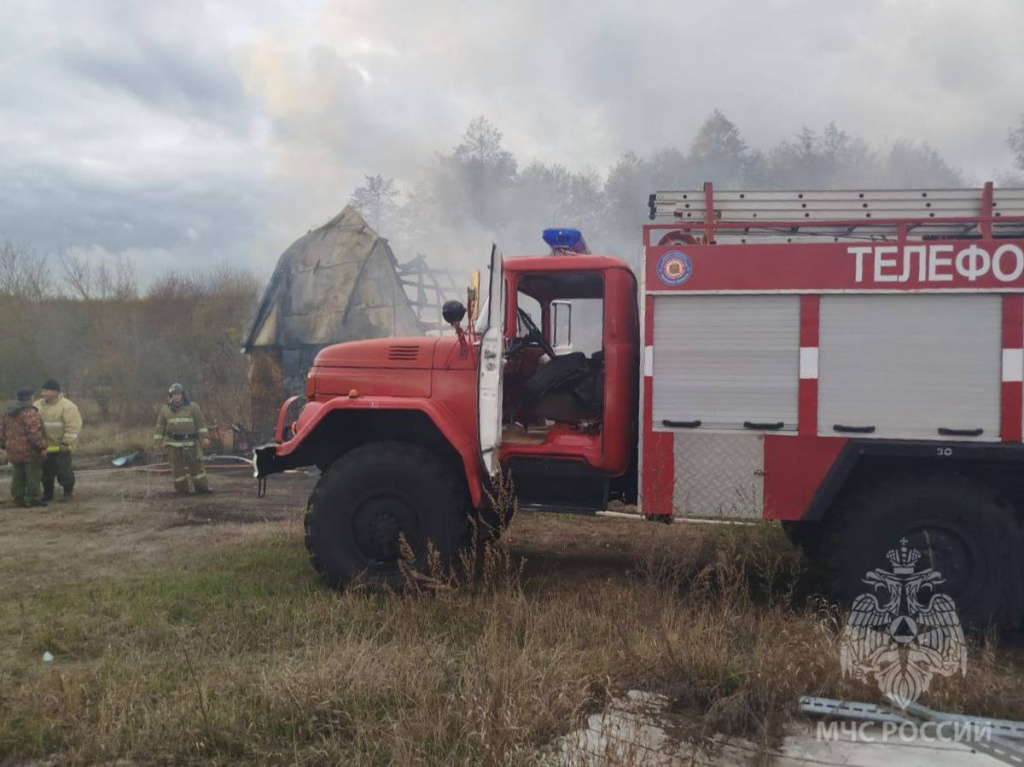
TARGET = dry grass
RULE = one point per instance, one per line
(108, 439)
(245, 657)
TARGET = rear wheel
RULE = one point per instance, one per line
(371, 497)
(959, 527)
(806, 536)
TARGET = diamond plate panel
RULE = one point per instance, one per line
(719, 475)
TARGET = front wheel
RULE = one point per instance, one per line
(369, 500)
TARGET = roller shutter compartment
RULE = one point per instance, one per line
(908, 366)
(727, 362)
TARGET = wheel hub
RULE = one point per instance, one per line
(377, 525)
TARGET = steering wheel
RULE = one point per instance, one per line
(533, 335)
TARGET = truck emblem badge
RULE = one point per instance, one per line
(675, 268)
(905, 632)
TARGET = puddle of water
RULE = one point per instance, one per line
(636, 730)
(633, 730)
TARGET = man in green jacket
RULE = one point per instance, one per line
(181, 429)
(62, 423)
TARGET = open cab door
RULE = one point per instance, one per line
(492, 363)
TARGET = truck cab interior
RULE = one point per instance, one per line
(555, 393)
(554, 371)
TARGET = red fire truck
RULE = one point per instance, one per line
(849, 363)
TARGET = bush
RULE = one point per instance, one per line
(106, 343)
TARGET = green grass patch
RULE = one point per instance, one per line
(244, 657)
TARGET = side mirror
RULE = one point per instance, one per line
(453, 312)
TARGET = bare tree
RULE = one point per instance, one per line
(78, 277)
(23, 273)
(118, 281)
(86, 281)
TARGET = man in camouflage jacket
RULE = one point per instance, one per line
(21, 435)
(181, 429)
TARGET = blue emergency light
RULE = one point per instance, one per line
(565, 239)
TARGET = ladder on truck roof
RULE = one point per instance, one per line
(800, 216)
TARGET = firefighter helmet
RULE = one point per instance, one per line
(176, 388)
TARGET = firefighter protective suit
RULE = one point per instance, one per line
(63, 424)
(181, 429)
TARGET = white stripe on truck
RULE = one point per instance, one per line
(809, 362)
(1013, 364)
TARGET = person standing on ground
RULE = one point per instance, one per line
(62, 423)
(181, 429)
(21, 435)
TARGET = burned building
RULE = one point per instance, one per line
(340, 282)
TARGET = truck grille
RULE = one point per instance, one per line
(399, 352)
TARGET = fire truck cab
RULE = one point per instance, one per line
(565, 426)
(848, 363)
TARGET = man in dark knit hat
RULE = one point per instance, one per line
(21, 435)
(62, 423)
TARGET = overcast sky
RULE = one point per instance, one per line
(192, 132)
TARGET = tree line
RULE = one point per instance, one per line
(479, 189)
(106, 341)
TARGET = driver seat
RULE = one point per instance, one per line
(561, 372)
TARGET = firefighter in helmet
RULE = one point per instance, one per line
(181, 429)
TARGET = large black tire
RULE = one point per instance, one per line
(960, 527)
(370, 495)
(806, 536)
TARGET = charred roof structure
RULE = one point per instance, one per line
(340, 282)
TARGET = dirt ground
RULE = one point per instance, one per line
(132, 520)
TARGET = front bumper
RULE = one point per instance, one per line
(266, 461)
